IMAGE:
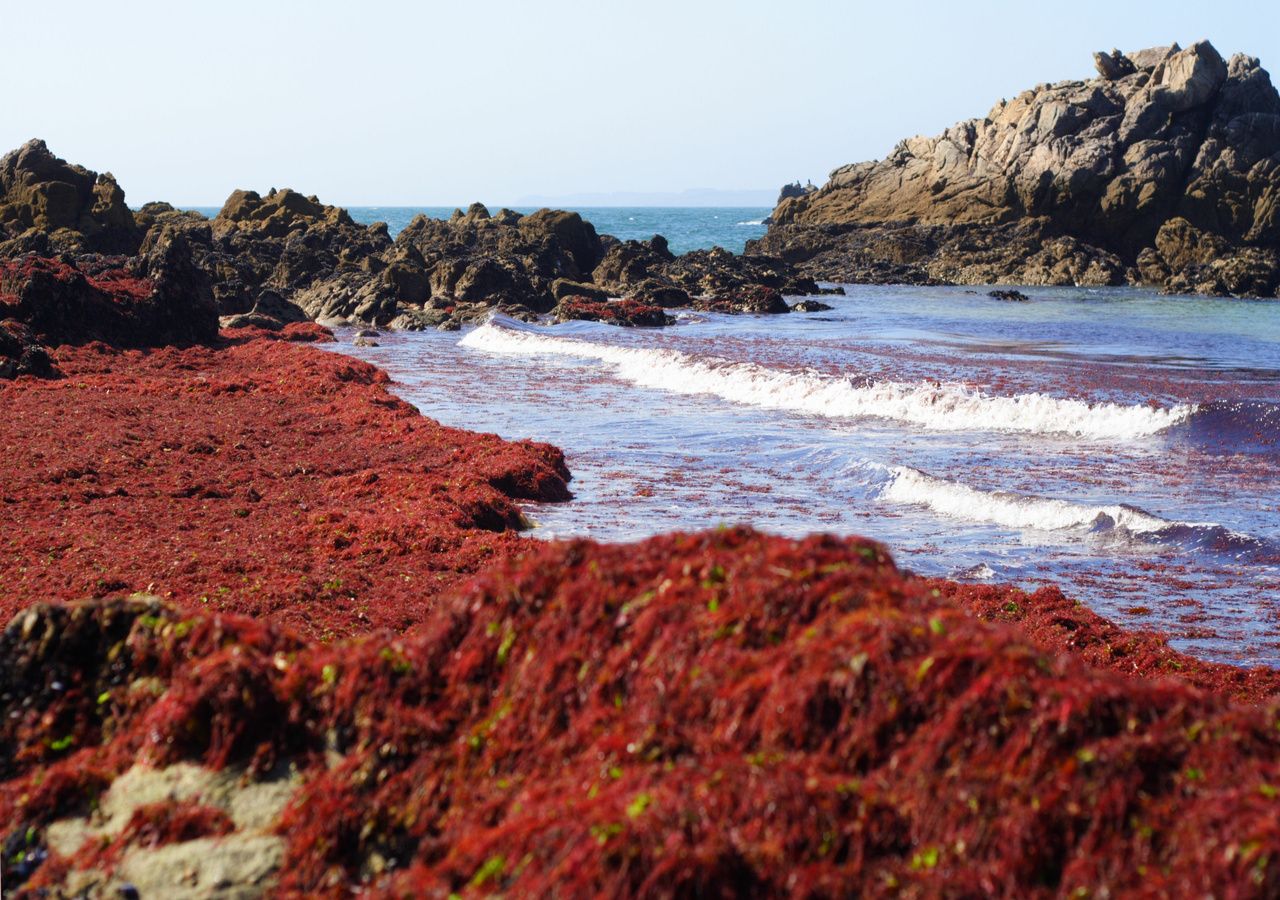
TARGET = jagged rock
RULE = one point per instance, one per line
(717, 271)
(50, 206)
(1114, 65)
(277, 259)
(795, 189)
(1069, 183)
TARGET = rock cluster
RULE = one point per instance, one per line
(281, 258)
(1163, 170)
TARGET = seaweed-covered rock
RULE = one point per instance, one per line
(162, 298)
(721, 712)
(612, 312)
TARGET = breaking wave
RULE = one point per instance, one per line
(934, 406)
(1008, 509)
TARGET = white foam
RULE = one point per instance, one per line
(938, 407)
(752, 222)
(958, 501)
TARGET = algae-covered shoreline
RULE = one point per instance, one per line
(337, 609)
(271, 631)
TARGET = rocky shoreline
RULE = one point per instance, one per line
(273, 632)
(1164, 171)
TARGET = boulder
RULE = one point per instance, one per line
(21, 353)
(755, 299)
(1114, 65)
(810, 306)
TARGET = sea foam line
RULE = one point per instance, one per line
(939, 407)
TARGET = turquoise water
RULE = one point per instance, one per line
(686, 228)
(1120, 444)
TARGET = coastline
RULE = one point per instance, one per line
(454, 650)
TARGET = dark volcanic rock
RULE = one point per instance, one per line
(1081, 182)
(21, 353)
(50, 206)
(1009, 296)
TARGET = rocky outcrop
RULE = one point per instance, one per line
(49, 206)
(795, 189)
(1164, 170)
(270, 251)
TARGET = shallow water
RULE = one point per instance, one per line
(1121, 444)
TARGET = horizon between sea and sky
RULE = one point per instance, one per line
(564, 103)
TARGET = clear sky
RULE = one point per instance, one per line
(368, 102)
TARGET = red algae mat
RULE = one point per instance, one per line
(339, 592)
(265, 478)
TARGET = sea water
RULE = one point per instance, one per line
(685, 228)
(1120, 444)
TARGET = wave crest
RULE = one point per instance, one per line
(1008, 509)
(933, 406)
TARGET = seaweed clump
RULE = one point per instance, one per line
(723, 713)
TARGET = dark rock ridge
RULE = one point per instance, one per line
(284, 257)
(1164, 170)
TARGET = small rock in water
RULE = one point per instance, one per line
(368, 333)
(1010, 296)
(810, 306)
(364, 342)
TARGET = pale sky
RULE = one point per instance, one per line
(446, 102)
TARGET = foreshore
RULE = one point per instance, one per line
(271, 626)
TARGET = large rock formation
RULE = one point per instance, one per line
(50, 206)
(1163, 170)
